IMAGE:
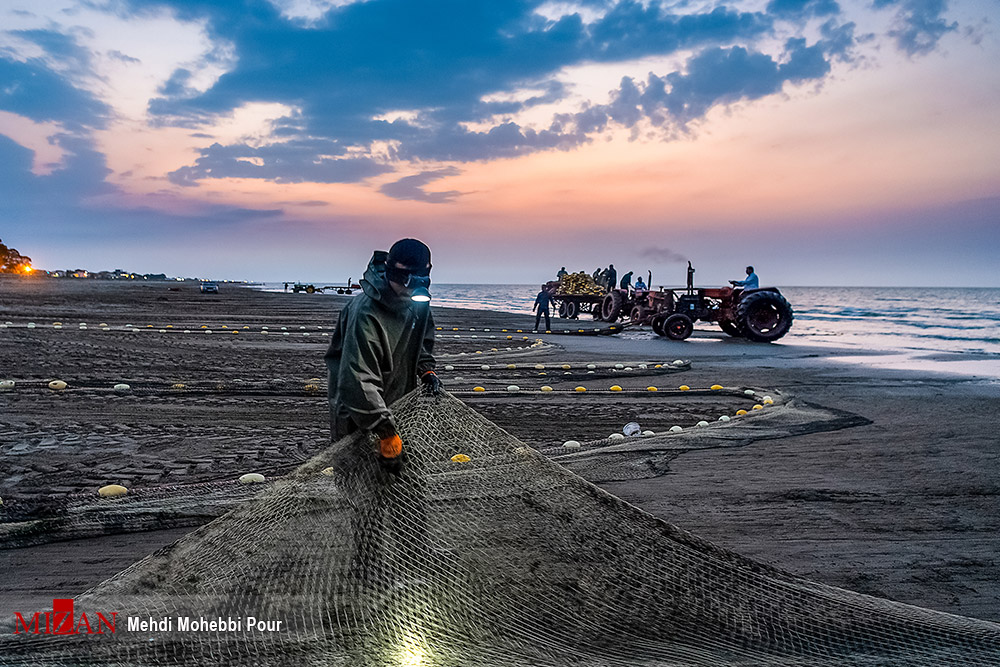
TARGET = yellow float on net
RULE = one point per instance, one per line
(478, 389)
(312, 387)
(651, 389)
(740, 412)
(684, 387)
(461, 458)
(511, 366)
(580, 389)
(758, 407)
(615, 387)
(539, 367)
(545, 388)
(767, 400)
(179, 386)
(716, 387)
(565, 367)
(510, 338)
(112, 491)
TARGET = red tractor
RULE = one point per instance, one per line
(760, 315)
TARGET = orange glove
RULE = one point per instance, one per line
(390, 447)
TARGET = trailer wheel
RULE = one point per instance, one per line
(562, 309)
(572, 310)
(611, 308)
(678, 326)
(657, 324)
(731, 329)
(764, 316)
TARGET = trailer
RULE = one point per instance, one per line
(571, 301)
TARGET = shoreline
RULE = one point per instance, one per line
(905, 507)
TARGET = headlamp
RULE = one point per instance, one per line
(410, 278)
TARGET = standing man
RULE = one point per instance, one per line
(542, 302)
(561, 272)
(750, 283)
(626, 282)
(382, 346)
(612, 277)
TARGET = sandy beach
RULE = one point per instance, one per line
(898, 497)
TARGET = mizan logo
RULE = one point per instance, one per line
(62, 621)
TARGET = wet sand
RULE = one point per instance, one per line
(905, 506)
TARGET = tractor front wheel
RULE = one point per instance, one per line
(764, 316)
(678, 326)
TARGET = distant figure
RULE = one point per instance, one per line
(626, 282)
(542, 302)
(602, 280)
(640, 286)
(750, 283)
(690, 284)
(562, 272)
(612, 278)
(286, 287)
(597, 275)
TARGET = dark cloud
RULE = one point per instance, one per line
(366, 59)
(60, 47)
(294, 162)
(121, 57)
(60, 205)
(801, 9)
(31, 89)
(919, 24)
(412, 187)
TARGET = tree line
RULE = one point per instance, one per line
(11, 261)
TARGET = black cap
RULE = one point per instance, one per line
(411, 253)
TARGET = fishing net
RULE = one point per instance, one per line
(507, 558)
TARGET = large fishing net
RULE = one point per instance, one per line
(506, 558)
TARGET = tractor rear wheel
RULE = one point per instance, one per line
(572, 309)
(731, 328)
(678, 326)
(310, 289)
(611, 309)
(764, 316)
(637, 315)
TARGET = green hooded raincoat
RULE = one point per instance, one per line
(381, 346)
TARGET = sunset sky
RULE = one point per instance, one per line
(825, 142)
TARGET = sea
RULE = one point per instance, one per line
(942, 329)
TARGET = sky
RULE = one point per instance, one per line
(826, 142)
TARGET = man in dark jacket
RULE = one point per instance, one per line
(383, 344)
(542, 302)
(612, 278)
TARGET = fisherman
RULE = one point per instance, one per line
(382, 346)
(640, 286)
(562, 272)
(750, 283)
(542, 302)
(612, 278)
(626, 282)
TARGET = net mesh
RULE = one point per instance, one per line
(507, 559)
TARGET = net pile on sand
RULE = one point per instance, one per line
(506, 559)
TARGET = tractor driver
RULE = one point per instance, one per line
(383, 344)
(750, 283)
